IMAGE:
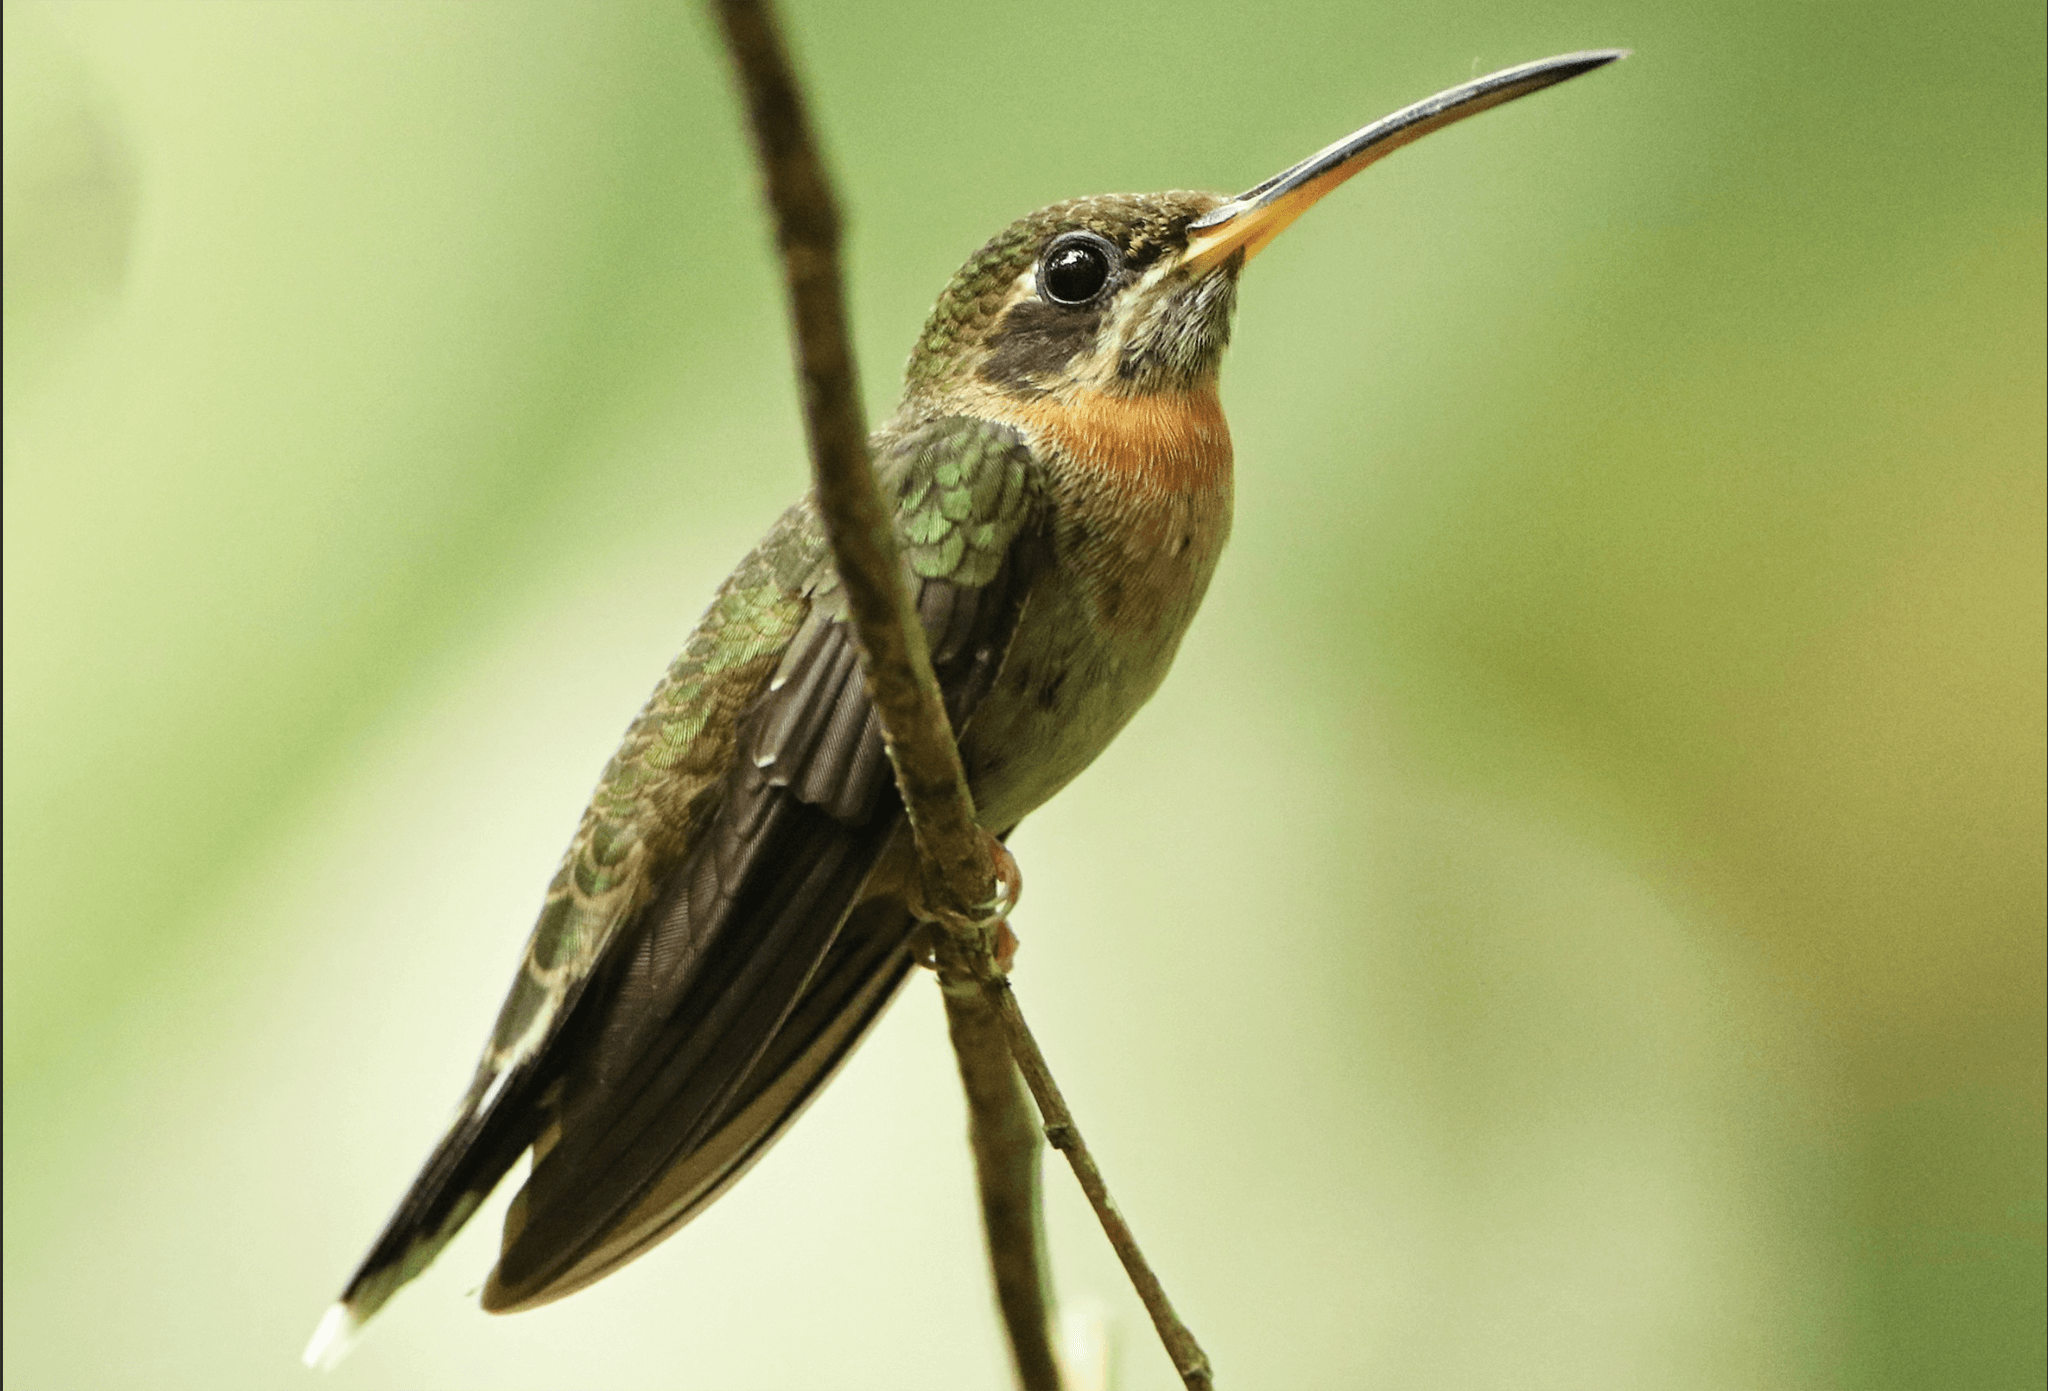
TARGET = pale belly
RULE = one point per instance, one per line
(1096, 638)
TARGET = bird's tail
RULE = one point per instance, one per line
(478, 1150)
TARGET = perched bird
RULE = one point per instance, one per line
(732, 914)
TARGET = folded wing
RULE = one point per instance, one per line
(648, 1059)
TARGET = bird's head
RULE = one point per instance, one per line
(1130, 295)
(1093, 294)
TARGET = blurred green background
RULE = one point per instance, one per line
(1574, 918)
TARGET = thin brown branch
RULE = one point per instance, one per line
(1006, 1152)
(898, 664)
(958, 860)
(1188, 1358)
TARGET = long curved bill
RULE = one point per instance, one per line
(1253, 218)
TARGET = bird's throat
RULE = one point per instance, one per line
(1172, 443)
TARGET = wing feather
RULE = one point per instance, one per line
(693, 979)
(769, 1004)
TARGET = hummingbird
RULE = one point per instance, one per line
(735, 909)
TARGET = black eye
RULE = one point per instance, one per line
(1075, 269)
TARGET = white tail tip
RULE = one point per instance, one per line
(333, 1338)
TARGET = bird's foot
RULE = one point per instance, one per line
(987, 926)
(1005, 946)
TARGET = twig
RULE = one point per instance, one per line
(1006, 1154)
(1061, 1132)
(898, 663)
(962, 887)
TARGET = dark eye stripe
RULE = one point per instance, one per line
(1034, 342)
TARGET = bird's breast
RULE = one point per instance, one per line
(1142, 498)
(1141, 492)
